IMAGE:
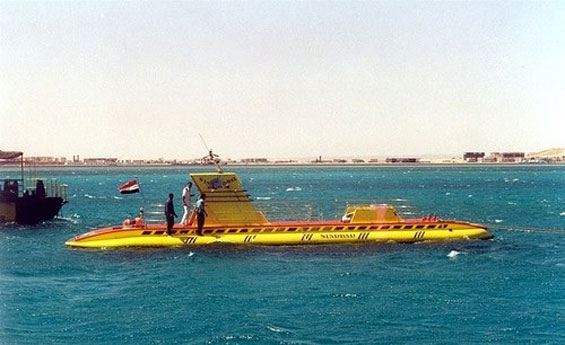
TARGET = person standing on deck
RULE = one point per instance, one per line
(170, 213)
(186, 199)
(200, 213)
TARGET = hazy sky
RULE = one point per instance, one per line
(281, 79)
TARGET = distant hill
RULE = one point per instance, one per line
(551, 153)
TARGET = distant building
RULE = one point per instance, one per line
(473, 156)
(373, 160)
(402, 160)
(320, 160)
(43, 160)
(356, 160)
(254, 160)
(508, 157)
(101, 161)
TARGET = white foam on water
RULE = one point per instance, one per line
(117, 197)
(293, 189)
(276, 329)
(89, 196)
(263, 198)
(498, 221)
(68, 219)
(470, 195)
(447, 193)
(452, 254)
(562, 214)
(237, 337)
(190, 254)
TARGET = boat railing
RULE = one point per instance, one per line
(10, 189)
(51, 187)
(402, 206)
(289, 210)
(153, 214)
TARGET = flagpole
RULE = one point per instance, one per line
(142, 195)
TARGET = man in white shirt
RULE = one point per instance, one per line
(186, 203)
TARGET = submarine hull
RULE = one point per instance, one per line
(279, 234)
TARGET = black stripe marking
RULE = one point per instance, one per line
(418, 235)
(363, 236)
(307, 237)
(190, 240)
(249, 238)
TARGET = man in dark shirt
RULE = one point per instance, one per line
(170, 213)
(200, 213)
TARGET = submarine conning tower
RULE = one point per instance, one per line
(227, 203)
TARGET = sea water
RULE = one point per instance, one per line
(509, 290)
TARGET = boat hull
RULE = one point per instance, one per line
(308, 233)
(30, 210)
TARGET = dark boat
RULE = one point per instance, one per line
(28, 204)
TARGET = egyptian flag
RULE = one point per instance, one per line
(130, 187)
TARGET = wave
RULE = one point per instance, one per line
(294, 189)
(263, 198)
(277, 329)
(345, 295)
(452, 254)
(74, 218)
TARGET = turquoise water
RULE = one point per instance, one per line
(510, 290)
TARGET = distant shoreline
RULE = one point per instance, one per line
(298, 164)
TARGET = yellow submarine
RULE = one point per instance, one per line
(232, 218)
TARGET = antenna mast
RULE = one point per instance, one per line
(212, 156)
